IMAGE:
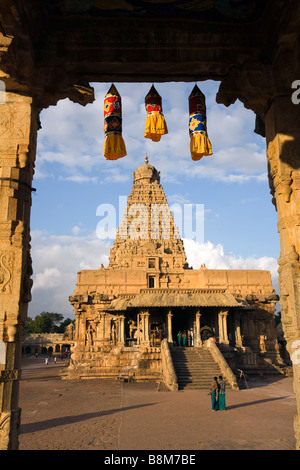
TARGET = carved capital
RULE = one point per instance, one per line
(251, 83)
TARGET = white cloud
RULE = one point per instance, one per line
(178, 199)
(213, 257)
(56, 261)
(78, 178)
(47, 278)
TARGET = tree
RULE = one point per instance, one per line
(47, 322)
(64, 325)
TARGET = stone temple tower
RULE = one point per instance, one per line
(147, 229)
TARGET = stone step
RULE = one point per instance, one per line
(195, 369)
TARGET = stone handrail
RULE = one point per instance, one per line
(219, 358)
(168, 371)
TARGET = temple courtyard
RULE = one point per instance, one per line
(104, 414)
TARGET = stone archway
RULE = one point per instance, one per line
(53, 58)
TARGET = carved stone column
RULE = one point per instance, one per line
(144, 326)
(197, 338)
(237, 329)
(283, 153)
(102, 327)
(18, 134)
(77, 312)
(81, 327)
(170, 336)
(267, 90)
(121, 329)
(225, 329)
(222, 320)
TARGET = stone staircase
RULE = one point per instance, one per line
(195, 368)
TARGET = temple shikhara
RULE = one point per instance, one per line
(129, 314)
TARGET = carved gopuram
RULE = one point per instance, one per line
(53, 50)
(129, 314)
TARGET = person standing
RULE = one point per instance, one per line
(184, 338)
(214, 394)
(221, 394)
(179, 337)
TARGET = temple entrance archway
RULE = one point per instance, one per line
(64, 46)
(182, 321)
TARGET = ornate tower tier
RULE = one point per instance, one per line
(147, 236)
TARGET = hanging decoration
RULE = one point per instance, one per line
(114, 145)
(199, 142)
(155, 125)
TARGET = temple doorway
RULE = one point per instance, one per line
(182, 321)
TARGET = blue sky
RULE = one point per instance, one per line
(73, 178)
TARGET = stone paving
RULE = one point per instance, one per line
(107, 415)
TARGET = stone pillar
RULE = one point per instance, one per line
(237, 329)
(102, 327)
(18, 134)
(121, 338)
(220, 324)
(144, 326)
(170, 336)
(267, 90)
(146, 330)
(225, 330)
(81, 327)
(282, 122)
(197, 336)
(222, 320)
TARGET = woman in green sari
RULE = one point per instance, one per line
(221, 394)
(214, 394)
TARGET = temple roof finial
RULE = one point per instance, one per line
(146, 160)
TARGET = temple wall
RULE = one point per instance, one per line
(131, 281)
(235, 281)
(144, 364)
(111, 281)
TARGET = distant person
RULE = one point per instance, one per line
(179, 338)
(221, 394)
(46, 361)
(214, 394)
(184, 338)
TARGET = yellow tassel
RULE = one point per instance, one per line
(155, 127)
(200, 146)
(114, 147)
